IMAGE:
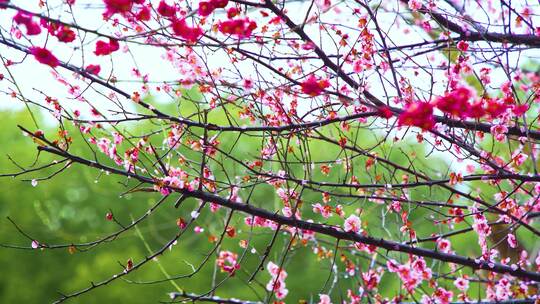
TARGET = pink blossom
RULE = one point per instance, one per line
(352, 224)
(444, 245)
(412, 273)
(325, 211)
(512, 241)
(314, 86)
(227, 261)
(118, 138)
(499, 132)
(277, 280)
(442, 296)
(519, 158)
(324, 299)
(372, 278)
(463, 46)
(415, 5)
(462, 284)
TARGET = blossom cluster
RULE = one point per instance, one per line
(228, 262)
(277, 280)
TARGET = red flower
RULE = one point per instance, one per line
(206, 8)
(191, 34)
(314, 86)
(418, 114)
(143, 14)
(385, 112)
(166, 10)
(117, 6)
(32, 28)
(520, 109)
(241, 28)
(44, 56)
(220, 3)
(455, 103)
(463, 46)
(103, 48)
(64, 34)
(476, 110)
(232, 12)
(495, 108)
(93, 69)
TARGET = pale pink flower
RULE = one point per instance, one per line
(415, 5)
(324, 299)
(462, 284)
(352, 223)
(512, 240)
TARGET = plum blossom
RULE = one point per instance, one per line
(106, 48)
(439, 296)
(227, 261)
(324, 210)
(186, 32)
(314, 86)
(32, 27)
(119, 6)
(463, 46)
(277, 281)
(207, 7)
(166, 10)
(324, 299)
(444, 245)
(462, 284)
(419, 114)
(372, 278)
(519, 158)
(352, 224)
(411, 273)
(44, 56)
(415, 5)
(512, 242)
(240, 28)
(499, 132)
(456, 102)
(93, 69)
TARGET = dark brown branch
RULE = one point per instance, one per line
(319, 228)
